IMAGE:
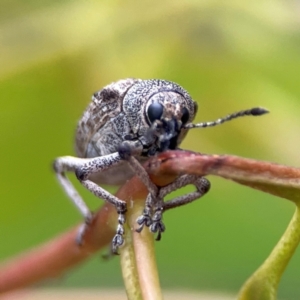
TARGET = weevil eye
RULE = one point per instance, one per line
(185, 115)
(155, 111)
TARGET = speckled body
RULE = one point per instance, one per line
(118, 113)
(126, 122)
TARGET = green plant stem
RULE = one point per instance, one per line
(129, 270)
(263, 284)
(138, 261)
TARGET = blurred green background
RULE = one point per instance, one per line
(229, 55)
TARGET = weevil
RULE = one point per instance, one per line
(127, 122)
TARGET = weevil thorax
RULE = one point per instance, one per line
(156, 111)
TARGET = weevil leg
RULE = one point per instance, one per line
(157, 223)
(202, 185)
(146, 217)
(83, 168)
(153, 201)
(154, 206)
(69, 163)
(152, 214)
(120, 205)
(127, 151)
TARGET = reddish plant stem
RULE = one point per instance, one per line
(278, 180)
(55, 257)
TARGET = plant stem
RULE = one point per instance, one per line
(138, 260)
(262, 285)
(129, 270)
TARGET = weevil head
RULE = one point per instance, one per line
(166, 113)
(164, 108)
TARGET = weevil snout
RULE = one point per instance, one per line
(167, 113)
(167, 132)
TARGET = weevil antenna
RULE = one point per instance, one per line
(256, 111)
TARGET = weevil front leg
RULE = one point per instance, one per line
(120, 205)
(202, 187)
(155, 206)
(146, 217)
(69, 163)
(83, 168)
(126, 151)
(152, 213)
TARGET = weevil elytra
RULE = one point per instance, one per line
(127, 122)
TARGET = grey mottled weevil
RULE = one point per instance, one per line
(127, 122)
